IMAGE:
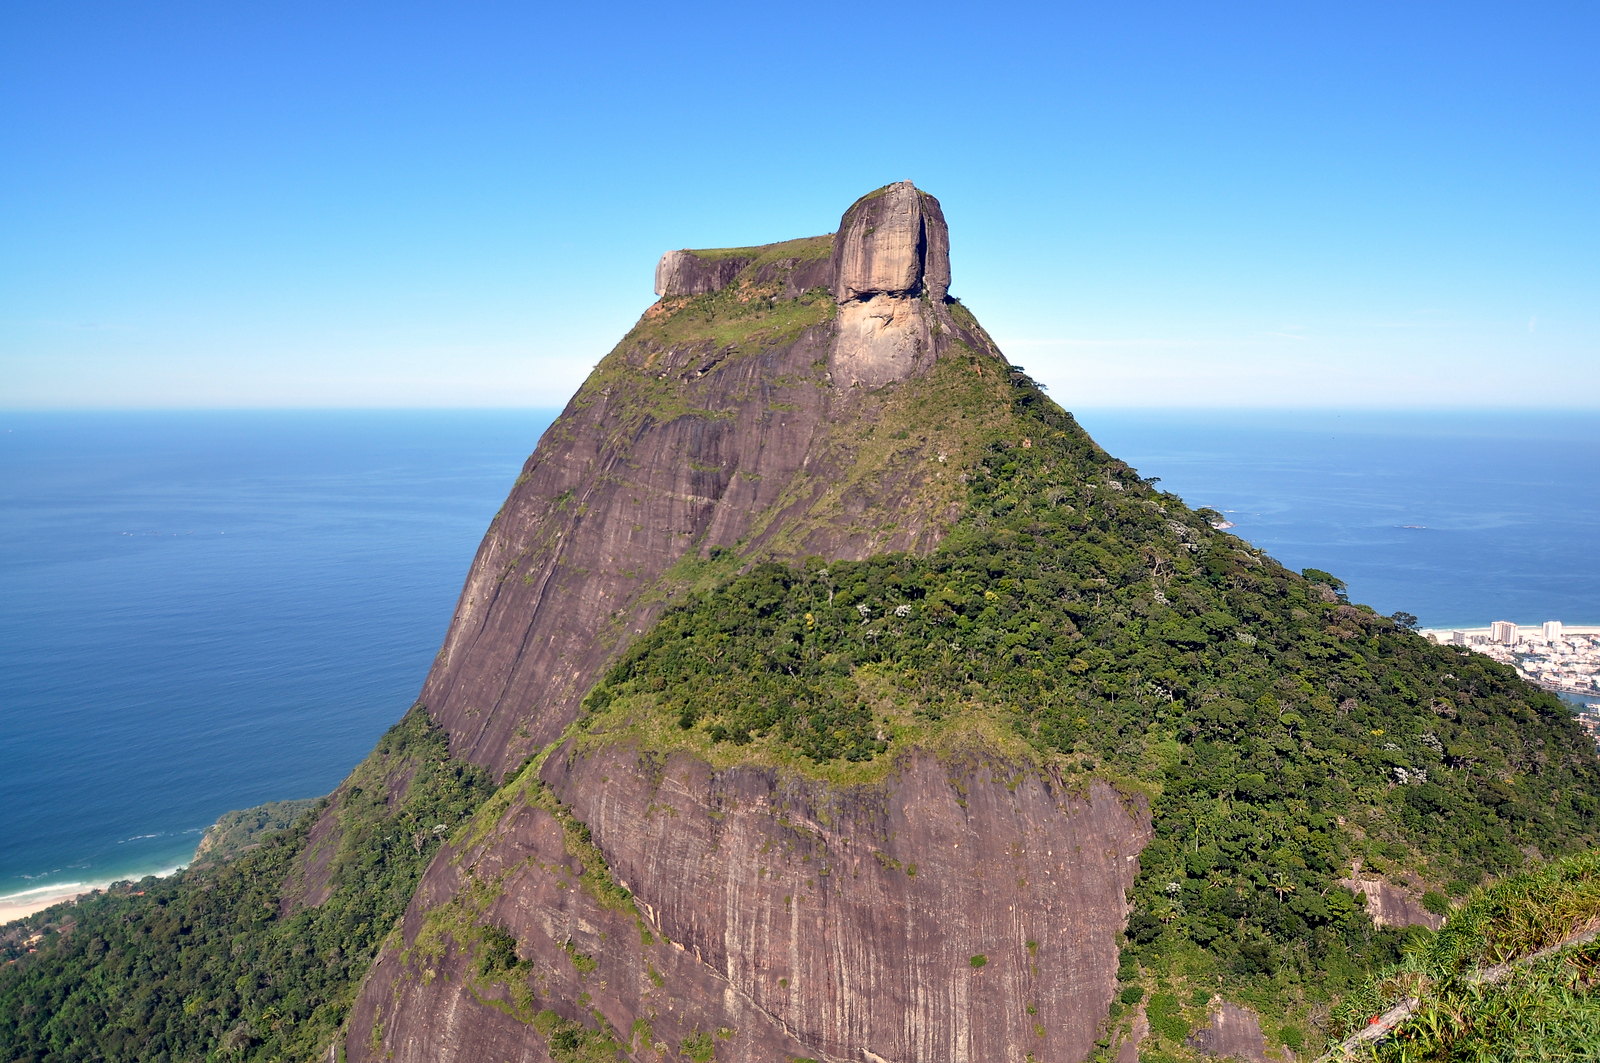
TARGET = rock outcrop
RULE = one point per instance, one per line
(794, 266)
(1232, 1032)
(892, 242)
(892, 248)
(686, 273)
(1388, 904)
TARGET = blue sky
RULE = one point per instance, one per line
(1151, 204)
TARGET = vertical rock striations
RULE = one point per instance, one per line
(892, 242)
(965, 915)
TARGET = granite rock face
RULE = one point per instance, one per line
(685, 273)
(892, 242)
(1232, 1032)
(881, 340)
(1388, 904)
(892, 248)
(964, 911)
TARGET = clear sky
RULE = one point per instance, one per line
(1186, 203)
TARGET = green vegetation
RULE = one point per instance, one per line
(236, 833)
(749, 313)
(897, 463)
(235, 961)
(573, 1042)
(803, 249)
(744, 318)
(698, 1047)
(1512, 976)
(1166, 1019)
(1078, 617)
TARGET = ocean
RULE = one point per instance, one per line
(205, 611)
(1459, 518)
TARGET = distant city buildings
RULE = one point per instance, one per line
(1552, 655)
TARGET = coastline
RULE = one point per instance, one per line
(1565, 665)
(20, 905)
(1444, 631)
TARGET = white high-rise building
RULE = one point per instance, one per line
(1552, 630)
(1503, 632)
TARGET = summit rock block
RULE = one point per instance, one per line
(891, 277)
(892, 242)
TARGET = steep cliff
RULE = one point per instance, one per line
(743, 412)
(940, 914)
(944, 909)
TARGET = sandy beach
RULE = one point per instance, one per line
(18, 905)
(23, 904)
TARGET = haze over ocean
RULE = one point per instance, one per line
(208, 610)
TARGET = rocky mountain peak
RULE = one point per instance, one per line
(732, 413)
(892, 242)
(823, 692)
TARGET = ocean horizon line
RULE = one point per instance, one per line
(346, 535)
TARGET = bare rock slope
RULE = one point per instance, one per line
(732, 413)
(958, 906)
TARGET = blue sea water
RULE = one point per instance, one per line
(205, 611)
(1459, 518)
